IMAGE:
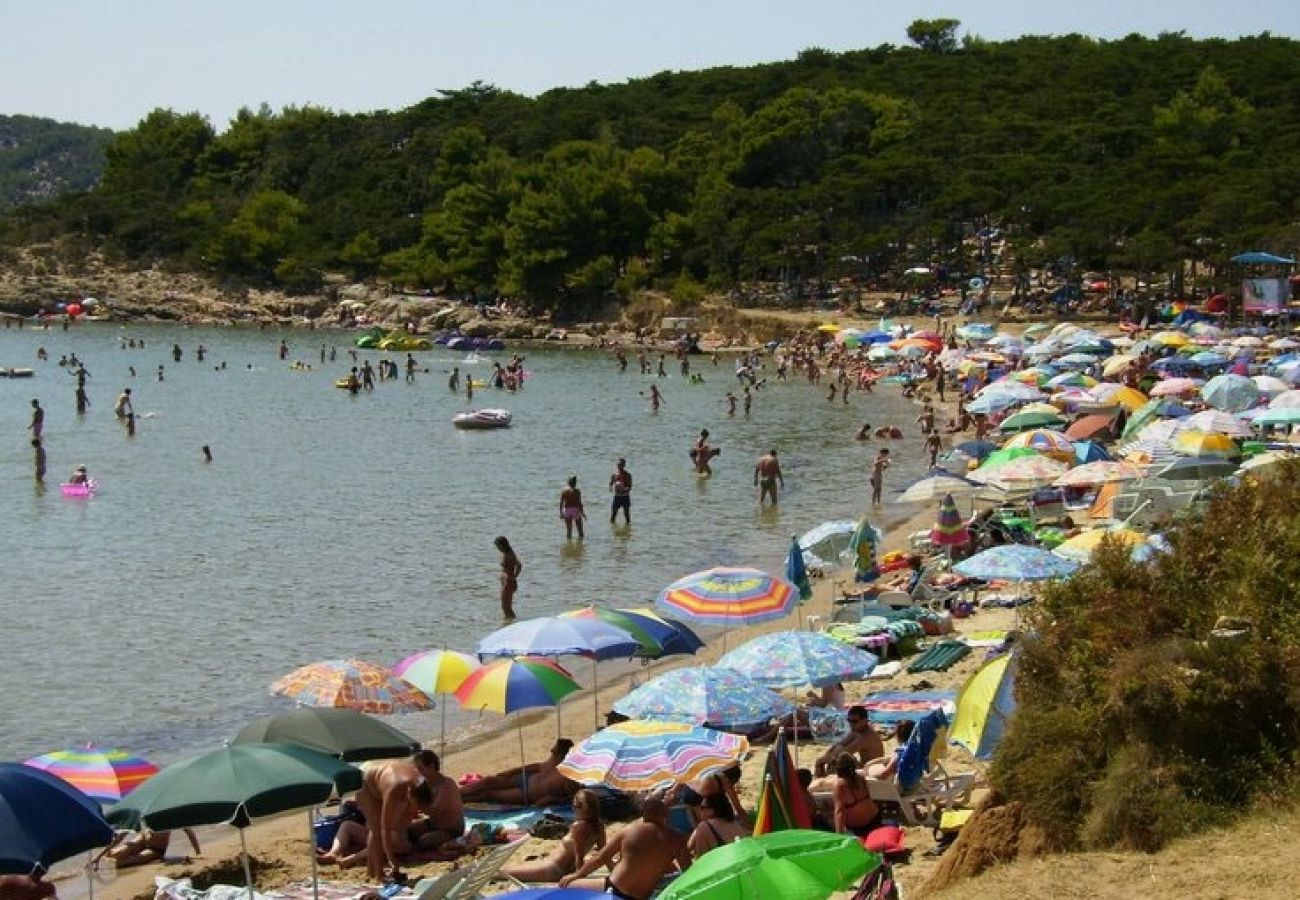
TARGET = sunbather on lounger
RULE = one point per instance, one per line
(536, 784)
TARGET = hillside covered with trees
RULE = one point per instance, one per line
(41, 158)
(1131, 154)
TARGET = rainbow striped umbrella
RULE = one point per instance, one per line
(1050, 443)
(729, 596)
(950, 529)
(642, 756)
(509, 685)
(101, 774)
(351, 684)
(782, 805)
(437, 672)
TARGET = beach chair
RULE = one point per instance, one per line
(921, 788)
(437, 888)
(483, 871)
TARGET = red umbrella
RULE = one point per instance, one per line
(1088, 427)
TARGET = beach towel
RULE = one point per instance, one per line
(891, 707)
(512, 818)
(183, 889)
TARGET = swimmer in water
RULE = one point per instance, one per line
(731, 403)
(510, 569)
(767, 475)
(656, 398)
(864, 433)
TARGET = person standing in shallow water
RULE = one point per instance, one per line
(510, 569)
(620, 484)
(38, 460)
(571, 510)
(38, 420)
(878, 475)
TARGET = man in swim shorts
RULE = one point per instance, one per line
(620, 484)
(647, 850)
(767, 474)
(536, 784)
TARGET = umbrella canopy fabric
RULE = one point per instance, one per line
(950, 529)
(1052, 444)
(642, 756)
(1015, 562)
(1088, 427)
(1175, 387)
(984, 707)
(1101, 472)
(1120, 395)
(43, 820)
(792, 865)
(1215, 421)
(1197, 468)
(352, 684)
(1204, 443)
(935, 485)
(1029, 471)
(233, 785)
(862, 548)
(1004, 456)
(341, 733)
(796, 572)
(1024, 420)
(1233, 393)
(729, 596)
(656, 636)
(559, 636)
(782, 804)
(508, 685)
(101, 774)
(1081, 547)
(436, 671)
(1288, 400)
(1283, 415)
(796, 658)
(704, 695)
(824, 544)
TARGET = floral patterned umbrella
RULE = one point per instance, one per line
(1100, 472)
(704, 695)
(1015, 562)
(642, 756)
(352, 684)
(795, 658)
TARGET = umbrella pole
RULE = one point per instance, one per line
(519, 726)
(248, 868)
(595, 694)
(90, 876)
(311, 844)
(442, 728)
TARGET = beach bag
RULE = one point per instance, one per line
(550, 827)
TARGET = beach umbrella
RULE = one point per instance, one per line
(1203, 443)
(949, 529)
(1036, 329)
(1170, 339)
(1207, 359)
(1196, 468)
(437, 672)
(935, 485)
(44, 820)
(1089, 426)
(1147, 451)
(643, 756)
(881, 353)
(729, 597)
(1090, 451)
(341, 733)
(792, 865)
(234, 785)
(985, 705)
(1074, 361)
(1247, 340)
(704, 695)
(1113, 394)
(1049, 408)
(1071, 379)
(1215, 421)
(782, 803)
(552, 892)
(992, 403)
(981, 449)
(658, 637)
(1081, 547)
(975, 331)
(1005, 455)
(513, 685)
(352, 684)
(795, 571)
(1288, 400)
(863, 547)
(1149, 412)
(1176, 387)
(1265, 460)
(1230, 392)
(1101, 472)
(1023, 421)
(824, 545)
(560, 636)
(1012, 389)
(1116, 364)
(101, 774)
(1015, 562)
(1027, 472)
(1270, 385)
(1163, 430)
(1283, 415)
(1052, 444)
(797, 658)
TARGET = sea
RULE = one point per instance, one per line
(155, 615)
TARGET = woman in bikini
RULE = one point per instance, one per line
(717, 826)
(586, 833)
(855, 811)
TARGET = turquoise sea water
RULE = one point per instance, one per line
(156, 615)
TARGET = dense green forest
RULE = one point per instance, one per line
(1129, 154)
(41, 158)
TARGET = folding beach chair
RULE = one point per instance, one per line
(483, 871)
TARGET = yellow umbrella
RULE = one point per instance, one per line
(1045, 441)
(1120, 395)
(828, 327)
(1082, 546)
(1040, 406)
(1171, 339)
(1204, 443)
(1117, 364)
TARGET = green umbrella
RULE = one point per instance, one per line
(342, 733)
(1006, 455)
(234, 785)
(793, 865)
(1025, 420)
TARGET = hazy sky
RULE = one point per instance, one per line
(108, 62)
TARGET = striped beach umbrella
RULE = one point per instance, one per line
(509, 685)
(1099, 472)
(1050, 443)
(101, 774)
(352, 684)
(950, 529)
(437, 672)
(729, 596)
(658, 637)
(642, 756)
(782, 803)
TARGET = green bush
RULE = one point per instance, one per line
(1136, 722)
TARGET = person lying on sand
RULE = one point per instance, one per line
(646, 851)
(536, 784)
(586, 832)
(144, 847)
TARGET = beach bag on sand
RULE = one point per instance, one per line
(550, 827)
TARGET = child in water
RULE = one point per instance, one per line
(79, 476)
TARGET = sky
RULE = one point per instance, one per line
(109, 62)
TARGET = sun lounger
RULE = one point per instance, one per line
(921, 788)
(483, 871)
(438, 887)
(939, 658)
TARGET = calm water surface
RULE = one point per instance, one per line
(156, 615)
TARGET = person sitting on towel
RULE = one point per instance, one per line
(536, 784)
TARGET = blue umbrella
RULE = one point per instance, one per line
(824, 544)
(43, 820)
(701, 695)
(555, 893)
(795, 573)
(1231, 393)
(1016, 562)
(1261, 258)
(560, 636)
(1089, 451)
(796, 658)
